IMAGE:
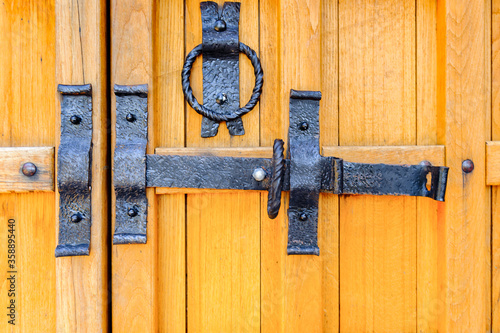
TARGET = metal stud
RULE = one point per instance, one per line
(130, 118)
(303, 126)
(75, 120)
(75, 218)
(302, 216)
(132, 212)
(467, 166)
(259, 174)
(29, 169)
(221, 98)
(220, 25)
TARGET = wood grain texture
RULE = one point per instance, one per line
(490, 171)
(430, 131)
(134, 267)
(493, 163)
(273, 233)
(169, 114)
(464, 238)
(223, 230)
(300, 55)
(377, 107)
(12, 178)
(28, 116)
(81, 58)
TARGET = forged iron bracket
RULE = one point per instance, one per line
(305, 173)
(221, 65)
(129, 166)
(74, 170)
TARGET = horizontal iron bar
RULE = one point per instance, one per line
(214, 172)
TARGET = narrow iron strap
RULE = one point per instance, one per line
(193, 102)
(74, 170)
(275, 188)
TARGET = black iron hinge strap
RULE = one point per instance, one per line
(74, 170)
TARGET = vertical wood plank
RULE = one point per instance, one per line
(465, 269)
(329, 136)
(430, 301)
(377, 107)
(223, 230)
(134, 266)
(273, 232)
(28, 111)
(301, 70)
(495, 135)
(81, 58)
(169, 132)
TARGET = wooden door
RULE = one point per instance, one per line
(402, 82)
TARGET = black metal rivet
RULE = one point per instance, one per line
(29, 169)
(220, 25)
(132, 212)
(221, 98)
(302, 216)
(303, 126)
(467, 166)
(75, 218)
(130, 118)
(75, 120)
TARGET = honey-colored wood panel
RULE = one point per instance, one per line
(223, 230)
(81, 58)
(490, 170)
(430, 129)
(168, 59)
(464, 237)
(493, 163)
(301, 70)
(134, 267)
(377, 107)
(12, 178)
(28, 114)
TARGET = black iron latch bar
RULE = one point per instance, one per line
(73, 170)
(305, 173)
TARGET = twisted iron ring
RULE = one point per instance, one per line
(215, 116)
(274, 197)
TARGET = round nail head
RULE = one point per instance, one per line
(303, 126)
(221, 99)
(467, 166)
(75, 120)
(302, 216)
(130, 118)
(259, 174)
(132, 212)
(75, 218)
(29, 169)
(220, 25)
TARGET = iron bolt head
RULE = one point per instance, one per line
(132, 212)
(29, 169)
(259, 174)
(130, 118)
(467, 166)
(75, 218)
(303, 126)
(302, 216)
(221, 98)
(75, 120)
(220, 25)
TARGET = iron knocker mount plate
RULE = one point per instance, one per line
(220, 49)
